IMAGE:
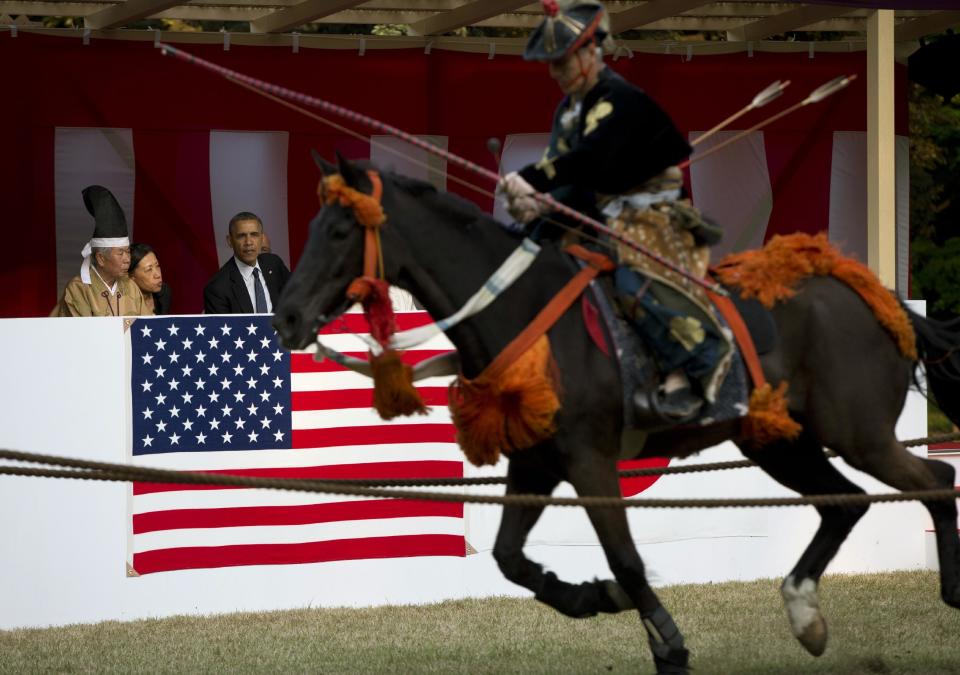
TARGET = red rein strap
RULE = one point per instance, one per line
(560, 303)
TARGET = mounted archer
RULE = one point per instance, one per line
(612, 155)
(548, 393)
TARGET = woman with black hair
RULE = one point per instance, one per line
(145, 272)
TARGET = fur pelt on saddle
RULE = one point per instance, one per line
(771, 274)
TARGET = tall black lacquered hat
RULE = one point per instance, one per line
(110, 224)
(565, 30)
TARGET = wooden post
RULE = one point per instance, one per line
(881, 161)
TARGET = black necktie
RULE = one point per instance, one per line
(261, 297)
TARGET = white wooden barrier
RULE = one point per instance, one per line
(63, 544)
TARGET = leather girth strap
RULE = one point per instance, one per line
(747, 349)
(596, 263)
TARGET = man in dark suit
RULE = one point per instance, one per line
(250, 282)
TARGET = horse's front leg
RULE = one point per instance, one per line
(597, 476)
(527, 474)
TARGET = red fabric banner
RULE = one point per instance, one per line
(172, 107)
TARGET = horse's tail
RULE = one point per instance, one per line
(938, 349)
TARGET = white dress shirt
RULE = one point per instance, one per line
(246, 271)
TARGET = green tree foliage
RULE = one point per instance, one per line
(935, 200)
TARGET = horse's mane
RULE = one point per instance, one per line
(455, 208)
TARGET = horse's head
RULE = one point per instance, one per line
(317, 290)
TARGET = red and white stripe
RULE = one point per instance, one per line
(336, 435)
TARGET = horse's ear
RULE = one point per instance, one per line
(326, 168)
(352, 176)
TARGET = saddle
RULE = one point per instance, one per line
(755, 334)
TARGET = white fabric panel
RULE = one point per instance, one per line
(848, 200)
(518, 151)
(248, 172)
(903, 214)
(848, 193)
(732, 188)
(393, 154)
(82, 157)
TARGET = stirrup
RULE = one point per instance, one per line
(653, 413)
(680, 404)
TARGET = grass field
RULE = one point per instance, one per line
(888, 623)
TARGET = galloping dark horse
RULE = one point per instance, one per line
(847, 384)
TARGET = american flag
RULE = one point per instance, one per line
(218, 394)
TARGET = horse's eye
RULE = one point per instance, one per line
(339, 229)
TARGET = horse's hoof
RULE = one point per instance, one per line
(803, 610)
(814, 636)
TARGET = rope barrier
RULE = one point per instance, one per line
(105, 471)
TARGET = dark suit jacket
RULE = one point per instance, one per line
(226, 293)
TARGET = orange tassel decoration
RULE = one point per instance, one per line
(768, 419)
(393, 392)
(512, 412)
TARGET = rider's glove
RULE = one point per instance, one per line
(516, 194)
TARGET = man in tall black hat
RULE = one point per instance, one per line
(612, 155)
(103, 287)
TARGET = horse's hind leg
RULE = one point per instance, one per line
(802, 466)
(594, 477)
(898, 468)
(527, 476)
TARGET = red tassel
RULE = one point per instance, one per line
(377, 307)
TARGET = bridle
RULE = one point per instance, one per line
(368, 211)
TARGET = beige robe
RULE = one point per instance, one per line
(149, 306)
(80, 299)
